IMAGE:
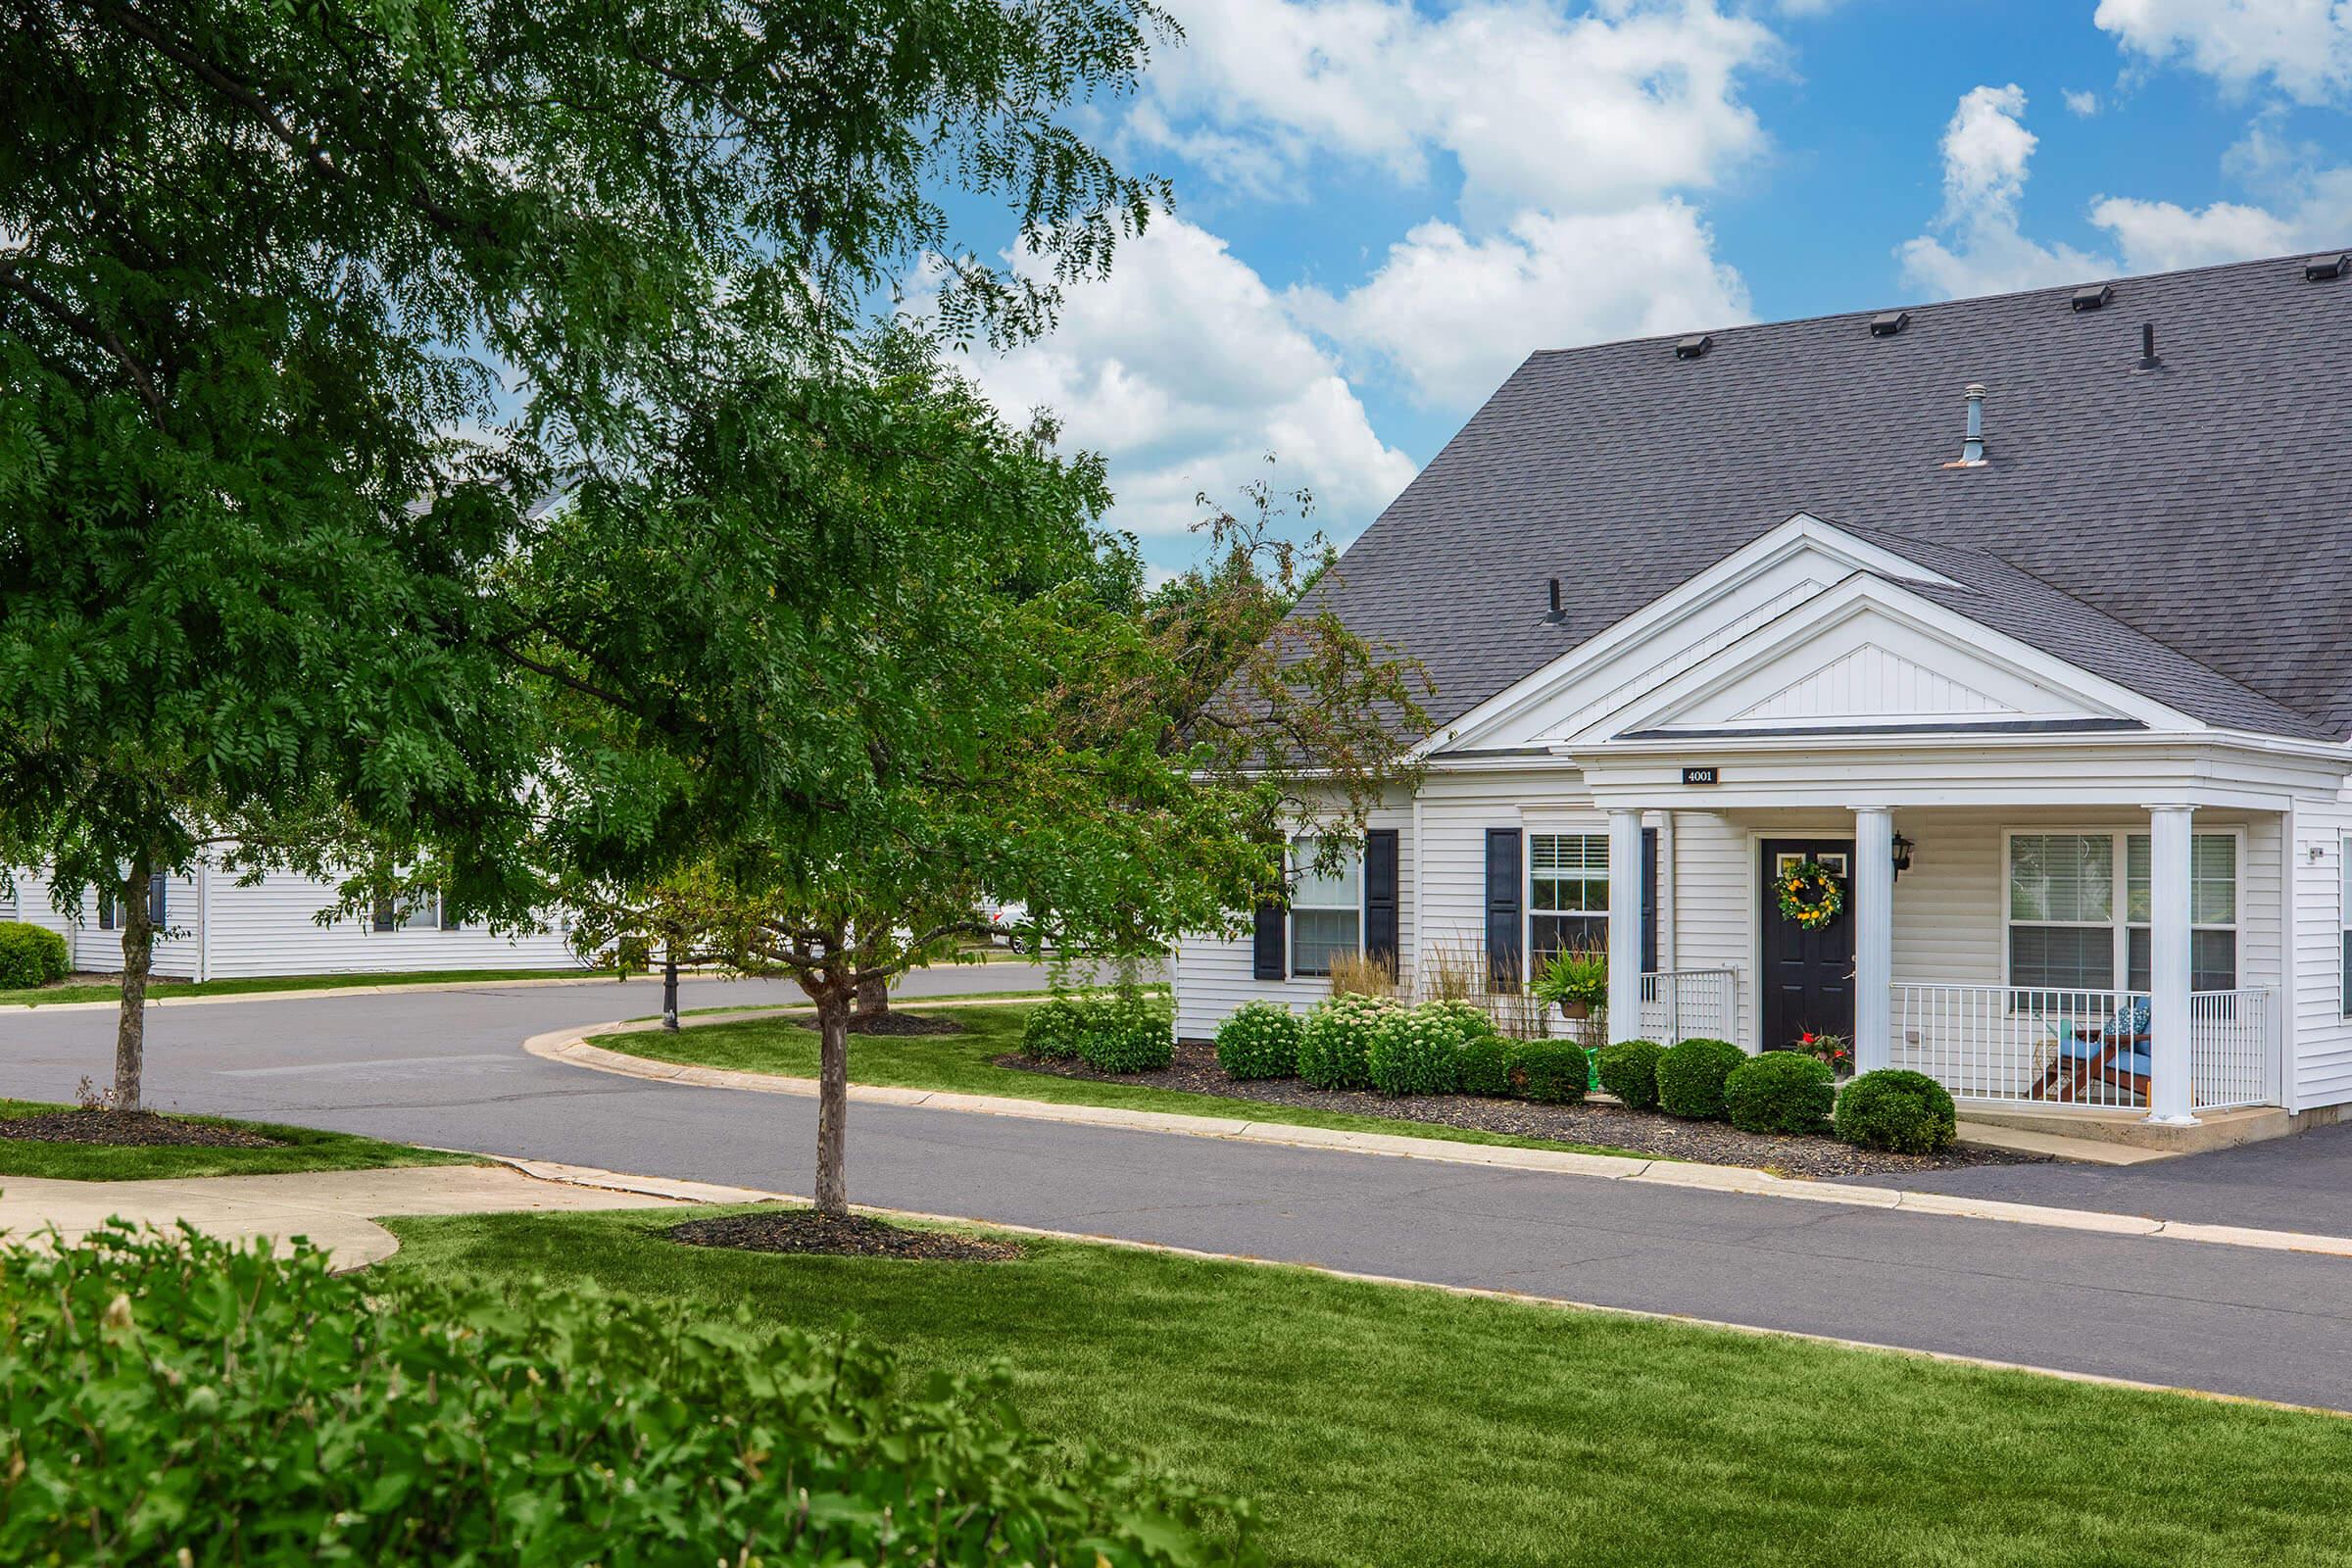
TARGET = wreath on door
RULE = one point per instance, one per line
(1810, 894)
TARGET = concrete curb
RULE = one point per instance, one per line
(323, 993)
(571, 1047)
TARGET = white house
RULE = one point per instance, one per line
(212, 929)
(2029, 619)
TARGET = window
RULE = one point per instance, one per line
(2075, 923)
(423, 913)
(383, 916)
(106, 908)
(1568, 895)
(1327, 912)
(2344, 915)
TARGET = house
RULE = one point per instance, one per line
(212, 929)
(2019, 629)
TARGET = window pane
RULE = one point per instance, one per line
(2062, 876)
(2140, 964)
(2062, 957)
(1317, 935)
(1550, 934)
(2212, 961)
(2213, 880)
(1343, 890)
(2139, 858)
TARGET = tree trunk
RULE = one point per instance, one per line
(131, 1022)
(832, 1101)
(873, 996)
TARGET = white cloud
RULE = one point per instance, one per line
(1982, 250)
(2082, 105)
(1538, 107)
(1449, 316)
(1184, 371)
(2159, 236)
(2302, 47)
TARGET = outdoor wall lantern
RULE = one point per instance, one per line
(1902, 854)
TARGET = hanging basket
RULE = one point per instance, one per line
(1810, 894)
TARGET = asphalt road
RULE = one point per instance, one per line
(444, 1067)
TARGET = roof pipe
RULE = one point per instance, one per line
(1971, 450)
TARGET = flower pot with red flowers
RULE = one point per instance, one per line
(1834, 1051)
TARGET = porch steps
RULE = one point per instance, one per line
(2130, 1130)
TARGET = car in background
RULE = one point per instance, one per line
(1009, 925)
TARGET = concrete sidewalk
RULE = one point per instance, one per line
(335, 1209)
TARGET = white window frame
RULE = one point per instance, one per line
(1303, 857)
(1526, 902)
(2118, 899)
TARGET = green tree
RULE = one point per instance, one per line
(302, 307)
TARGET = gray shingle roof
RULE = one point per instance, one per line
(2185, 531)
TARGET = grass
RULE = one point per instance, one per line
(307, 1148)
(1155, 990)
(157, 989)
(1377, 1424)
(961, 1063)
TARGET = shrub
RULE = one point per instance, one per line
(1629, 1069)
(31, 956)
(1781, 1091)
(1485, 1064)
(1551, 1072)
(1419, 1050)
(1128, 1034)
(1691, 1078)
(1335, 1041)
(1053, 1030)
(1893, 1108)
(1259, 1041)
(263, 1410)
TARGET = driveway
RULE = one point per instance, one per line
(447, 1068)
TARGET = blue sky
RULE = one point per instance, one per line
(1383, 207)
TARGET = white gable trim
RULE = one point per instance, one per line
(1804, 552)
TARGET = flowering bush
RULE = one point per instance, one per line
(1259, 1041)
(1335, 1041)
(1780, 1092)
(1419, 1051)
(1053, 1030)
(1128, 1034)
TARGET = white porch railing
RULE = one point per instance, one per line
(1679, 1005)
(2081, 1048)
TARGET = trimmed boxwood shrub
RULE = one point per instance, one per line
(1692, 1075)
(1629, 1069)
(1259, 1040)
(1781, 1091)
(31, 956)
(1335, 1040)
(1418, 1050)
(1053, 1030)
(263, 1410)
(1486, 1065)
(1551, 1072)
(1897, 1109)
(1127, 1034)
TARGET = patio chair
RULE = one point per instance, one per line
(2115, 1054)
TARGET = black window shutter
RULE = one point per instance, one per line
(1380, 897)
(158, 900)
(1268, 959)
(1506, 951)
(1649, 900)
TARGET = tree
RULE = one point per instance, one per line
(302, 308)
(981, 700)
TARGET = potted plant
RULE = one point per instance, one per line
(1833, 1050)
(1577, 982)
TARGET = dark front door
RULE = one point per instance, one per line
(1808, 975)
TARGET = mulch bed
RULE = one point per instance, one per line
(1596, 1121)
(895, 1023)
(805, 1230)
(143, 1128)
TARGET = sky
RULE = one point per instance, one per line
(1383, 207)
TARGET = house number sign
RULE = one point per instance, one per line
(1700, 775)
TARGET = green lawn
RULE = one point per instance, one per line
(1376, 1424)
(961, 1064)
(307, 1148)
(112, 991)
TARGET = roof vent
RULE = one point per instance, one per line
(1557, 615)
(2326, 269)
(2093, 297)
(1888, 322)
(1971, 450)
(1692, 347)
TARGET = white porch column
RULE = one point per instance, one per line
(1873, 938)
(1625, 926)
(2167, 965)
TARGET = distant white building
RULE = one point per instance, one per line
(212, 929)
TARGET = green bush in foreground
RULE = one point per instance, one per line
(1551, 1072)
(1897, 1109)
(1691, 1077)
(1418, 1050)
(1781, 1091)
(1629, 1069)
(1335, 1041)
(1486, 1065)
(1054, 1029)
(1259, 1040)
(180, 1399)
(1127, 1034)
(31, 956)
